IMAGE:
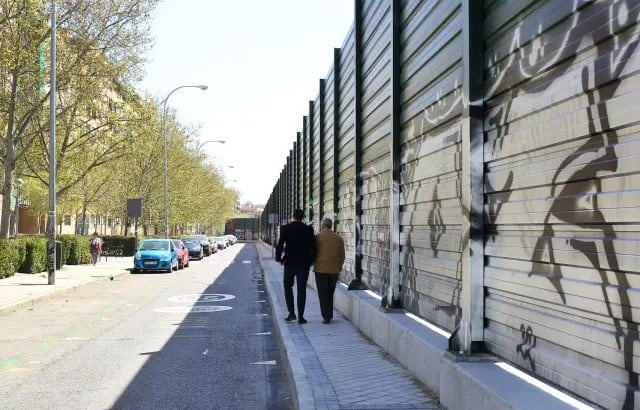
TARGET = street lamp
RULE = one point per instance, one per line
(164, 154)
(199, 146)
(51, 220)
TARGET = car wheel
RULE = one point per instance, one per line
(187, 265)
(134, 270)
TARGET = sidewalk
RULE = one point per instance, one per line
(334, 366)
(371, 359)
(22, 289)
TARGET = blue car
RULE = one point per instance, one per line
(156, 255)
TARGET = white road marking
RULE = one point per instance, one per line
(263, 314)
(201, 298)
(259, 301)
(206, 351)
(269, 362)
(262, 334)
(76, 338)
(260, 291)
(246, 261)
(192, 309)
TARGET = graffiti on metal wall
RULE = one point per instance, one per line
(376, 266)
(421, 145)
(347, 222)
(594, 159)
(527, 345)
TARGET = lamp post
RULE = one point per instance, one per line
(51, 220)
(164, 154)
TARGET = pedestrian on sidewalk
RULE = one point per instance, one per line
(327, 266)
(298, 243)
(96, 247)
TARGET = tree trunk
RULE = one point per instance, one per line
(9, 162)
(84, 219)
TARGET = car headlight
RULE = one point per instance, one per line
(136, 256)
(165, 256)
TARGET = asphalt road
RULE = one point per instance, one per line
(199, 338)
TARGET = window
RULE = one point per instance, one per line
(67, 220)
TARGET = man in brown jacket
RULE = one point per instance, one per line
(328, 265)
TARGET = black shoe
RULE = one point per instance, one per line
(290, 318)
(302, 321)
(326, 321)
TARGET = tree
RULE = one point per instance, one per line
(100, 49)
(22, 31)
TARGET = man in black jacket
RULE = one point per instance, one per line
(299, 245)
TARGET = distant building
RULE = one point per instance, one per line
(249, 210)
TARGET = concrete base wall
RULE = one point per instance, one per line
(478, 382)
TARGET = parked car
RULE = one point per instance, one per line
(194, 247)
(156, 255)
(215, 243)
(204, 242)
(183, 253)
(232, 239)
(221, 242)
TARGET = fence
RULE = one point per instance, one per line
(480, 160)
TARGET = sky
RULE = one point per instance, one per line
(261, 60)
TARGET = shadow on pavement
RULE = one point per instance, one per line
(222, 355)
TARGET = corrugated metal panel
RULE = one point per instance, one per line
(561, 155)
(306, 164)
(300, 171)
(346, 174)
(327, 178)
(430, 200)
(314, 126)
(376, 129)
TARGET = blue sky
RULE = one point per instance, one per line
(261, 60)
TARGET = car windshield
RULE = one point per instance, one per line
(177, 243)
(191, 242)
(154, 246)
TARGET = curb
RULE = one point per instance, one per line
(301, 391)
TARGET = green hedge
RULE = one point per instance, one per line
(12, 253)
(35, 259)
(76, 249)
(28, 254)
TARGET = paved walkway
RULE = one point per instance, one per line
(24, 289)
(334, 366)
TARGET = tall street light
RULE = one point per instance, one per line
(51, 220)
(164, 154)
(199, 146)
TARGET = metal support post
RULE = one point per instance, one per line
(356, 283)
(394, 293)
(469, 334)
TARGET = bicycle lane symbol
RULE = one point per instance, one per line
(198, 298)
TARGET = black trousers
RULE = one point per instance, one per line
(299, 275)
(326, 283)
